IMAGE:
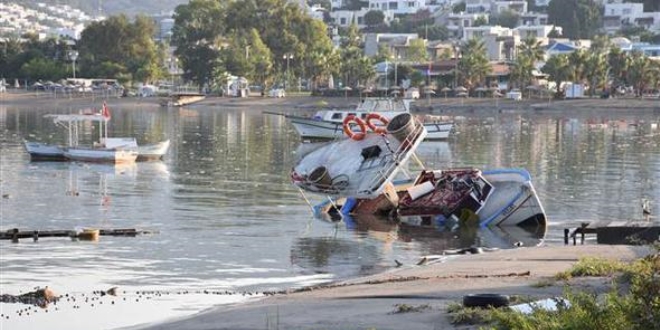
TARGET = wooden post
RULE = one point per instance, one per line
(35, 235)
(566, 231)
(583, 226)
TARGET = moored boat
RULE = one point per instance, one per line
(327, 123)
(182, 99)
(151, 152)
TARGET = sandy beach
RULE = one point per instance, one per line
(371, 302)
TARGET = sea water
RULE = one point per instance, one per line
(225, 224)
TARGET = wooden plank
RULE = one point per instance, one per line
(36, 234)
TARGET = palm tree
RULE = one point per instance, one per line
(619, 62)
(641, 72)
(595, 69)
(474, 65)
(577, 61)
(529, 52)
(559, 70)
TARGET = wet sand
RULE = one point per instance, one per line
(370, 302)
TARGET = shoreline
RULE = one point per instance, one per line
(370, 302)
(437, 105)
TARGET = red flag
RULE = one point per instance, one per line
(106, 111)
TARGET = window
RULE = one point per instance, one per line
(336, 115)
(360, 20)
(394, 5)
(411, 4)
(342, 21)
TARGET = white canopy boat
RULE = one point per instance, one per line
(106, 149)
(327, 123)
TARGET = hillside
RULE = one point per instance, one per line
(114, 7)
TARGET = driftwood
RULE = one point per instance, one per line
(15, 234)
(39, 297)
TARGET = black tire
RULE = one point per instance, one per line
(485, 300)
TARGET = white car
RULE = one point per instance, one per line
(276, 92)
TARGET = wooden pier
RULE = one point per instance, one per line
(16, 234)
(621, 232)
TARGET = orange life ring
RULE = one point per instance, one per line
(384, 120)
(349, 132)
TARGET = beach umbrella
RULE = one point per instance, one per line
(445, 90)
(480, 90)
(460, 89)
(346, 89)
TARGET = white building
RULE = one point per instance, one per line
(517, 6)
(536, 31)
(397, 6)
(477, 6)
(457, 22)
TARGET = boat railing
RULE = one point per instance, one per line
(398, 156)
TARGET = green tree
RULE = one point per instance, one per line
(580, 19)
(618, 62)
(641, 72)
(127, 44)
(506, 18)
(558, 69)
(374, 18)
(197, 31)
(480, 21)
(43, 68)
(473, 66)
(417, 51)
(578, 60)
(529, 52)
(356, 69)
(458, 8)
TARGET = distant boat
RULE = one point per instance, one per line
(105, 149)
(182, 99)
(152, 152)
(328, 123)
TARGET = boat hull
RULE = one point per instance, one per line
(44, 152)
(315, 129)
(512, 202)
(115, 156)
(153, 152)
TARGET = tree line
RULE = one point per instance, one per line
(273, 42)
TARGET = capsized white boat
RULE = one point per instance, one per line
(328, 123)
(499, 197)
(360, 166)
(358, 177)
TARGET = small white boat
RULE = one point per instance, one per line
(182, 99)
(151, 152)
(106, 149)
(327, 123)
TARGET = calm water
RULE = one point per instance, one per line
(228, 218)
